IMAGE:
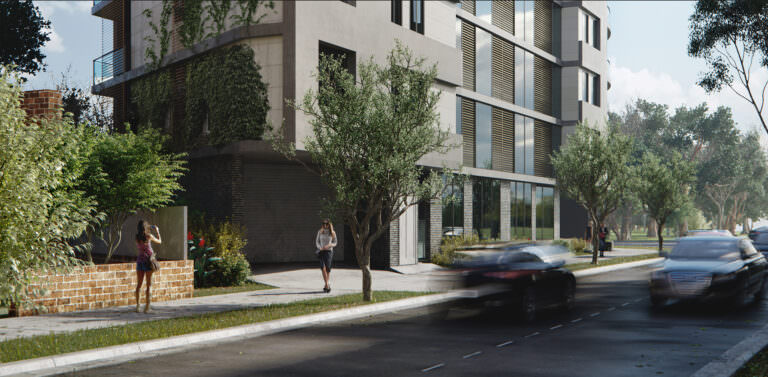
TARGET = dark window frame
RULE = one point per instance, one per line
(350, 2)
(396, 11)
(417, 27)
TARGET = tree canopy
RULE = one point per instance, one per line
(22, 36)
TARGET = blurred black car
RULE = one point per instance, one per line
(529, 277)
(759, 237)
(710, 268)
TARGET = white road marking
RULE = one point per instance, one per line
(505, 344)
(612, 308)
(531, 335)
(625, 304)
(594, 314)
(576, 320)
(555, 327)
(433, 367)
(638, 299)
(473, 354)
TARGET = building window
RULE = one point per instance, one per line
(545, 213)
(520, 210)
(397, 11)
(483, 154)
(524, 19)
(458, 115)
(589, 30)
(347, 57)
(417, 16)
(483, 10)
(350, 2)
(524, 78)
(524, 144)
(453, 206)
(486, 208)
(589, 87)
(483, 75)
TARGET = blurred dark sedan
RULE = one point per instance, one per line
(530, 277)
(759, 237)
(710, 268)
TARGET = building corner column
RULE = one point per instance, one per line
(435, 227)
(468, 208)
(505, 211)
(533, 212)
(556, 214)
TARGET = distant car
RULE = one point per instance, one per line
(530, 277)
(759, 237)
(709, 232)
(710, 268)
(453, 231)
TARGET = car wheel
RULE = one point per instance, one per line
(528, 308)
(569, 295)
(658, 301)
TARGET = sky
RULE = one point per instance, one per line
(647, 51)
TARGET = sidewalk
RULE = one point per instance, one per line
(294, 284)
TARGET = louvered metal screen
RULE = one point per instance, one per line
(542, 77)
(503, 137)
(468, 130)
(504, 15)
(503, 70)
(542, 24)
(542, 149)
(468, 54)
(468, 5)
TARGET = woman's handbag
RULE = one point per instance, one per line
(153, 263)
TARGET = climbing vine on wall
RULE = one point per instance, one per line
(200, 20)
(225, 88)
(152, 95)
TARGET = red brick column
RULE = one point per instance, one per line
(42, 103)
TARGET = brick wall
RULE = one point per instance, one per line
(42, 103)
(107, 285)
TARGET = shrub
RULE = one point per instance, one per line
(225, 237)
(447, 255)
(232, 269)
(562, 243)
(578, 245)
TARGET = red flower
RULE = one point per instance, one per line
(202, 242)
(189, 236)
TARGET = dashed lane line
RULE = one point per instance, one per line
(594, 314)
(473, 354)
(433, 367)
(612, 308)
(576, 320)
(532, 335)
(555, 327)
(625, 304)
(505, 344)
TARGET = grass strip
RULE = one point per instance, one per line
(608, 262)
(246, 287)
(55, 344)
(756, 366)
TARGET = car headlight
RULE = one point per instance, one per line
(723, 278)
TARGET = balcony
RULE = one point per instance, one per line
(109, 9)
(108, 66)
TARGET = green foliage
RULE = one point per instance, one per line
(225, 237)
(225, 88)
(129, 172)
(152, 96)
(160, 33)
(232, 270)
(201, 253)
(367, 136)
(663, 187)
(593, 169)
(22, 36)
(577, 245)
(563, 243)
(41, 207)
(448, 246)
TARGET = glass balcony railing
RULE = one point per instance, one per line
(108, 66)
(96, 2)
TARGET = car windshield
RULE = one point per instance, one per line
(706, 249)
(760, 238)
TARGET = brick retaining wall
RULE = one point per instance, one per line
(107, 285)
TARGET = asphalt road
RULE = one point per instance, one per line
(612, 332)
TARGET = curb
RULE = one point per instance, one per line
(65, 361)
(253, 330)
(730, 361)
(615, 267)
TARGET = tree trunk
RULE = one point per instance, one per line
(89, 236)
(651, 223)
(626, 228)
(367, 292)
(660, 232)
(595, 239)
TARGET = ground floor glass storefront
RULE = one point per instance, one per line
(486, 206)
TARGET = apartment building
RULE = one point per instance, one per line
(515, 76)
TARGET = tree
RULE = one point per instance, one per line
(593, 169)
(129, 172)
(41, 208)
(367, 137)
(22, 36)
(663, 188)
(729, 35)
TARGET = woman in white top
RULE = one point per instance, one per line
(325, 242)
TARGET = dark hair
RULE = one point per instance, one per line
(142, 231)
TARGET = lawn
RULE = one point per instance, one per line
(55, 344)
(757, 365)
(248, 286)
(608, 262)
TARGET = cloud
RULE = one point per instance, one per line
(48, 8)
(660, 87)
(56, 44)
